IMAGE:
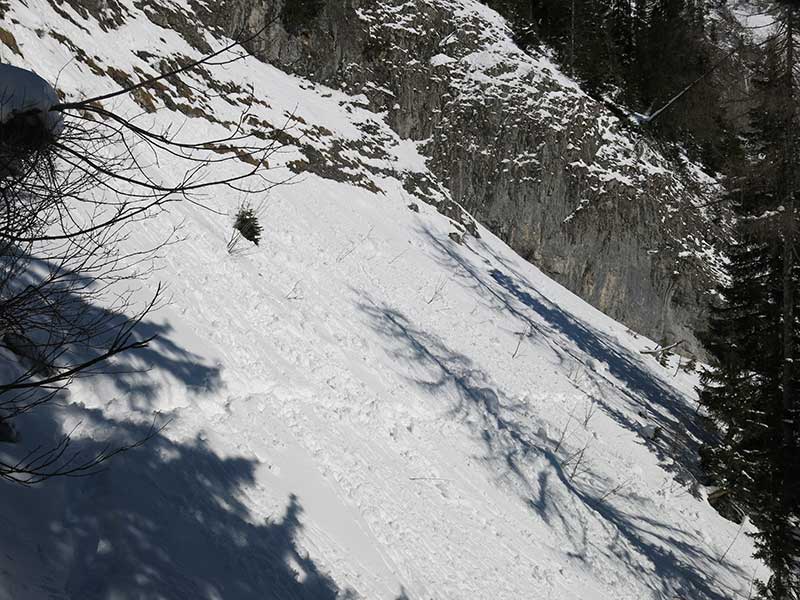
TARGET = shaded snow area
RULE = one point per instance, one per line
(23, 93)
(359, 407)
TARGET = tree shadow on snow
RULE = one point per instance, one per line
(166, 521)
(516, 447)
(641, 392)
(90, 329)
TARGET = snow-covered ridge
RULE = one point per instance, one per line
(361, 406)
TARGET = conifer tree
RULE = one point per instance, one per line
(751, 392)
(638, 55)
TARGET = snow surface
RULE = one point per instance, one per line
(359, 405)
(757, 18)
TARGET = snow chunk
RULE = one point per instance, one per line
(442, 59)
(24, 92)
(758, 21)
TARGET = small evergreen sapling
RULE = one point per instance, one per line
(248, 225)
(245, 225)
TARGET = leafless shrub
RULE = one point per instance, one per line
(437, 291)
(66, 204)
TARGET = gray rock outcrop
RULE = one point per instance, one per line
(584, 196)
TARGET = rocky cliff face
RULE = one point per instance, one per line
(581, 194)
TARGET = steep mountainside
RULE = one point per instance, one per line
(382, 400)
(580, 194)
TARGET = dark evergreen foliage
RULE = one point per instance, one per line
(247, 224)
(639, 55)
(751, 391)
(297, 16)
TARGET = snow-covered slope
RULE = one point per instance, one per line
(360, 406)
(569, 184)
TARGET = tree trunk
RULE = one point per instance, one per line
(789, 234)
(572, 41)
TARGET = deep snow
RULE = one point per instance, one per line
(359, 405)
